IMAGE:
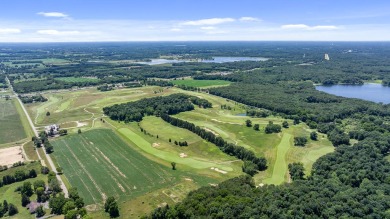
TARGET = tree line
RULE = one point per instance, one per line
(172, 104)
(251, 162)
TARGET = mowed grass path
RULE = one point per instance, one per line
(201, 83)
(11, 126)
(168, 156)
(75, 79)
(100, 164)
(280, 167)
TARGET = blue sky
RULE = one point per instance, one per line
(177, 20)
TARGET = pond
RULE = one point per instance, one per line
(372, 92)
(214, 60)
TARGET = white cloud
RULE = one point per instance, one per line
(295, 26)
(330, 27)
(249, 19)
(306, 27)
(9, 30)
(53, 14)
(56, 32)
(208, 28)
(211, 21)
(175, 29)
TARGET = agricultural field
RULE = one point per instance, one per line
(74, 79)
(11, 128)
(100, 164)
(201, 83)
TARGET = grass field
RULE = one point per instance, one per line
(8, 193)
(74, 79)
(11, 127)
(201, 83)
(100, 164)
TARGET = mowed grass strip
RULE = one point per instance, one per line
(76, 79)
(201, 83)
(100, 164)
(11, 127)
(168, 156)
(280, 167)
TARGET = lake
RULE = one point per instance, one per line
(214, 60)
(372, 92)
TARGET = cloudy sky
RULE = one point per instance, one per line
(193, 20)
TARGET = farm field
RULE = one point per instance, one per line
(74, 79)
(100, 164)
(11, 128)
(201, 83)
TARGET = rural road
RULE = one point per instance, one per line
(49, 160)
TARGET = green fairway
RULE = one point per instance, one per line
(201, 83)
(280, 167)
(74, 79)
(171, 157)
(100, 164)
(11, 126)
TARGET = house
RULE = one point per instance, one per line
(52, 129)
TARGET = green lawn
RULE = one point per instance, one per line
(100, 164)
(201, 83)
(11, 171)
(8, 193)
(11, 127)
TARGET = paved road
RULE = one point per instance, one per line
(49, 160)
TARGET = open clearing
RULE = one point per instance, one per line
(74, 79)
(100, 164)
(11, 155)
(11, 127)
(201, 83)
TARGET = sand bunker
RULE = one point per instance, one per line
(9, 156)
(218, 170)
(207, 129)
(81, 124)
(155, 145)
(216, 120)
(182, 155)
